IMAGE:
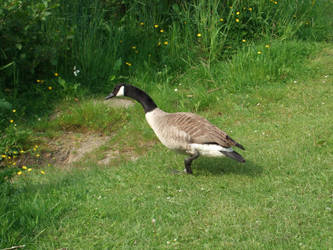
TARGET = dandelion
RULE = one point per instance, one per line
(267, 46)
(9, 157)
(128, 64)
(42, 172)
(38, 81)
(259, 52)
(50, 87)
(29, 169)
(221, 19)
(14, 110)
(14, 163)
(237, 13)
(11, 121)
(19, 172)
(156, 26)
(243, 40)
(22, 151)
(24, 167)
(134, 47)
(166, 43)
(237, 20)
(142, 23)
(56, 74)
(37, 155)
(3, 156)
(250, 9)
(162, 30)
(199, 35)
(275, 2)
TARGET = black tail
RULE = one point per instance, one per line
(234, 155)
(239, 145)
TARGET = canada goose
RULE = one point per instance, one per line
(183, 132)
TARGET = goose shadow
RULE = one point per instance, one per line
(226, 166)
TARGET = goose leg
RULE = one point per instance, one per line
(188, 163)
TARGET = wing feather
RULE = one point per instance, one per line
(198, 129)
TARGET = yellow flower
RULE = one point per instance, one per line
(159, 44)
(14, 163)
(162, 30)
(49, 165)
(22, 151)
(156, 26)
(267, 46)
(15, 152)
(56, 74)
(128, 64)
(237, 20)
(3, 156)
(38, 81)
(50, 87)
(42, 172)
(165, 43)
(133, 47)
(243, 40)
(29, 169)
(36, 146)
(11, 121)
(14, 110)
(142, 23)
(259, 52)
(250, 9)
(37, 155)
(19, 172)
(199, 35)
(275, 2)
(237, 13)
(221, 19)
(24, 167)
(9, 157)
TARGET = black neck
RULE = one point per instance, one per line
(147, 103)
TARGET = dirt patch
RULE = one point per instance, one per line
(119, 103)
(73, 147)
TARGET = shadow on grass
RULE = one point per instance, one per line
(225, 166)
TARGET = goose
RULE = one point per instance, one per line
(183, 132)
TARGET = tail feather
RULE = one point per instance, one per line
(239, 145)
(234, 155)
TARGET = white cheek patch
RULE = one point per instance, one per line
(121, 91)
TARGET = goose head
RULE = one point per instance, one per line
(118, 90)
(124, 89)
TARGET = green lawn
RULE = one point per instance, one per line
(281, 198)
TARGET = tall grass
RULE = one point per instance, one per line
(112, 41)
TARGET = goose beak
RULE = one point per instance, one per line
(109, 96)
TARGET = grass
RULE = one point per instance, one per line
(281, 198)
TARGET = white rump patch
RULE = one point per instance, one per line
(121, 91)
(209, 150)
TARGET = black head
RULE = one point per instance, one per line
(119, 90)
(128, 90)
